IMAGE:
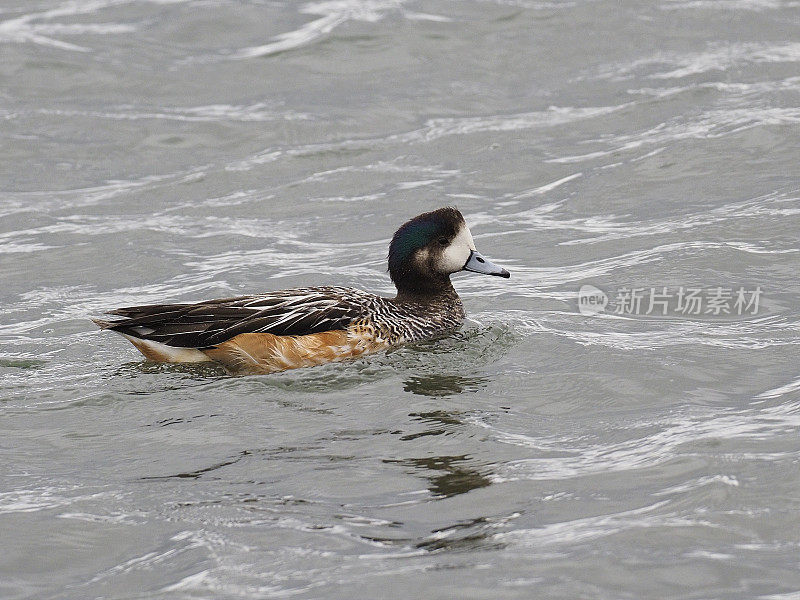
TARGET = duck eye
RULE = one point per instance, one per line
(443, 241)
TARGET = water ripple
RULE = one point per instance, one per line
(331, 14)
(717, 57)
(577, 458)
(28, 28)
(710, 124)
(638, 334)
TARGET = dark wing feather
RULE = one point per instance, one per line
(287, 312)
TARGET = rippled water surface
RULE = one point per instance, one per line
(180, 150)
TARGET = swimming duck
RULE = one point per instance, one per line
(303, 327)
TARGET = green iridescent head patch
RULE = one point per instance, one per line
(418, 233)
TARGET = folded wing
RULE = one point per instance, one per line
(204, 325)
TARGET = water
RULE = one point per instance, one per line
(170, 150)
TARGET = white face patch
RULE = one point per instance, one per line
(455, 255)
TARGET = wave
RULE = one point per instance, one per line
(435, 129)
(577, 457)
(257, 112)
(710, 124)
(717, 57)
(749, 5)
(777, 204)
(36, 27)
(331, 14)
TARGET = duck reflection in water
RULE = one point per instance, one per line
(447, 475)
(439, 386)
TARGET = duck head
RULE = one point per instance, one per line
(429, 248)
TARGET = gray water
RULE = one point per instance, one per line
(170, 150)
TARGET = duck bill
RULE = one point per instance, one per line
(478, 264)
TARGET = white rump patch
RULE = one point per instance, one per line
(166, 353)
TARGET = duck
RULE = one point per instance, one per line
(292, 328)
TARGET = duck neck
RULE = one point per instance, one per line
(426, 290)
